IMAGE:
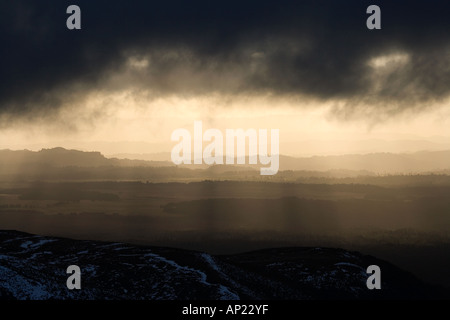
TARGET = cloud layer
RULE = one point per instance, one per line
(316, 49)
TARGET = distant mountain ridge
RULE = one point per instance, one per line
(390, 163)
(60, 157)
(380, 163)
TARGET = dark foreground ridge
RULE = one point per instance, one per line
(34, 267)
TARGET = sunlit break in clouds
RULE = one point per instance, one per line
(314, 71)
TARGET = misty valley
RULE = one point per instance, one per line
(401, 218)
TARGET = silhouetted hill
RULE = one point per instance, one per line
(52, 157)
(60, 157)
(34, 267)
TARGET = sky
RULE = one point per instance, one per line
(138, 70)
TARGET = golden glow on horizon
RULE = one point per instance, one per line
(125, 116)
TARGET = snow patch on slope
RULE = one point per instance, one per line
(224, 292)
(21, 287)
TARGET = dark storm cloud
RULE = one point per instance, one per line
(315, 48)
